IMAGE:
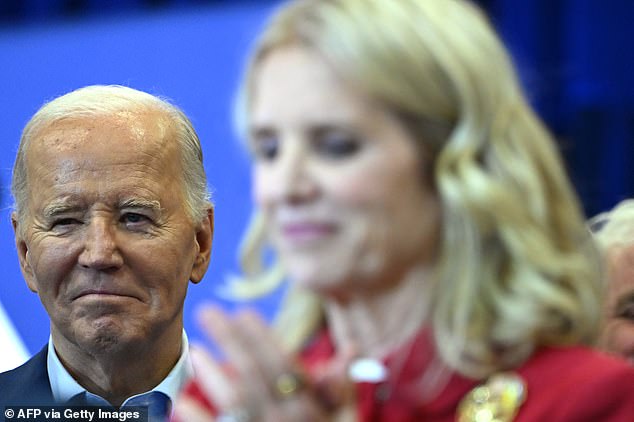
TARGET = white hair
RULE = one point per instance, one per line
(108, 100)
(614, 227)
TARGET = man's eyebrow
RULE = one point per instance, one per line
(153, 205)
(59, 207)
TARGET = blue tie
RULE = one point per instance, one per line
(77, 400)
(158, 404)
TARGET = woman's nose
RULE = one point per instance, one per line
(294, 182)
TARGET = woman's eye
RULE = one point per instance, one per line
(336, 146)
(266, 149)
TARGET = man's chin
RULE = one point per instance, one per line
(104, 335)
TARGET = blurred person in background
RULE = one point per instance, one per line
(614, 233)
(438, 263)
(112, 221)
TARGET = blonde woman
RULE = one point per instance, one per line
(438, 264)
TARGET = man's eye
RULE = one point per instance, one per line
(627, 312)
(64, 225)
(336, 146)
(134, 218)
(63, 222)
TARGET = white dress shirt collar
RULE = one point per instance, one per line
(64, 386)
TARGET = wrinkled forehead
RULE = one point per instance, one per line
(103, 152)
(620, 267)
(136, 129)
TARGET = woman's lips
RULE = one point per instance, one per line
(307, 232)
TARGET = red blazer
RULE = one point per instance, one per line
(573, 384)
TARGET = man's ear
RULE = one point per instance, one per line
(23, 253)
(204, 240)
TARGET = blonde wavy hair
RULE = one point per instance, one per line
(516, 267)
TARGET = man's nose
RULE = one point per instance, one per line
(100, 249)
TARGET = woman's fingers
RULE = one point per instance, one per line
(265, 380)
(213, 379)
(284, 374)
(253, 351)
(231, 338)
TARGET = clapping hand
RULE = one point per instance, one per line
(259, 381)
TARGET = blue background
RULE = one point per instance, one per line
(574, 56)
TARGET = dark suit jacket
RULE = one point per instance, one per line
(27, 384)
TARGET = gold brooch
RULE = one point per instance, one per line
(498, 400)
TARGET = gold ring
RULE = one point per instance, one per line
(288, 384)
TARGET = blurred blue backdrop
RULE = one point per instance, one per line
(574, 57)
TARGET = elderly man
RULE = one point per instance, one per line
(614, 232)
(112, 221)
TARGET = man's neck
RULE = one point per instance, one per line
(118, 372)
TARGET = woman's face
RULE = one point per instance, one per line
(339, 180)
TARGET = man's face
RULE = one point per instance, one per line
(617, 335)
(106, 241)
